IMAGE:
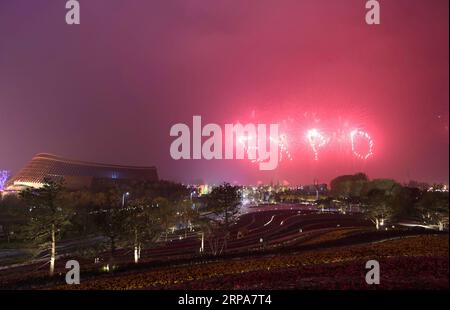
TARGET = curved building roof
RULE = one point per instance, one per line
(50, 166)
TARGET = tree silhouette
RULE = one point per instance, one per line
(49, 215)
(223, 202)
(143, 225)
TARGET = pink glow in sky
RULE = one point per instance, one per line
(109, 89)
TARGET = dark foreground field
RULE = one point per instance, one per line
(419, 262)
(329, 252)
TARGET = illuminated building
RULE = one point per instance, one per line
(75, 174)
(4, 175)
(204, 189)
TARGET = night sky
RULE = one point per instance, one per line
(110, 89)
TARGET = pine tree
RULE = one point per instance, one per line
(49, 216)
(224, 203)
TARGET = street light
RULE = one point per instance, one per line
(124, 195)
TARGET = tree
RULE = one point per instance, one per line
(186, 214)
(433, 209)
(13, 214)
(223, 202)
(49, 216)
(110, 223)
(110, 218)
(215, 235)
(143, 224)
(348, 186)
(190, 217)
(378, 207)
(82, 202)
(381, 197)
(378, 184)
(166, 214)
(403, 202)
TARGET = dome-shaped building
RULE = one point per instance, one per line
(75, 174)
